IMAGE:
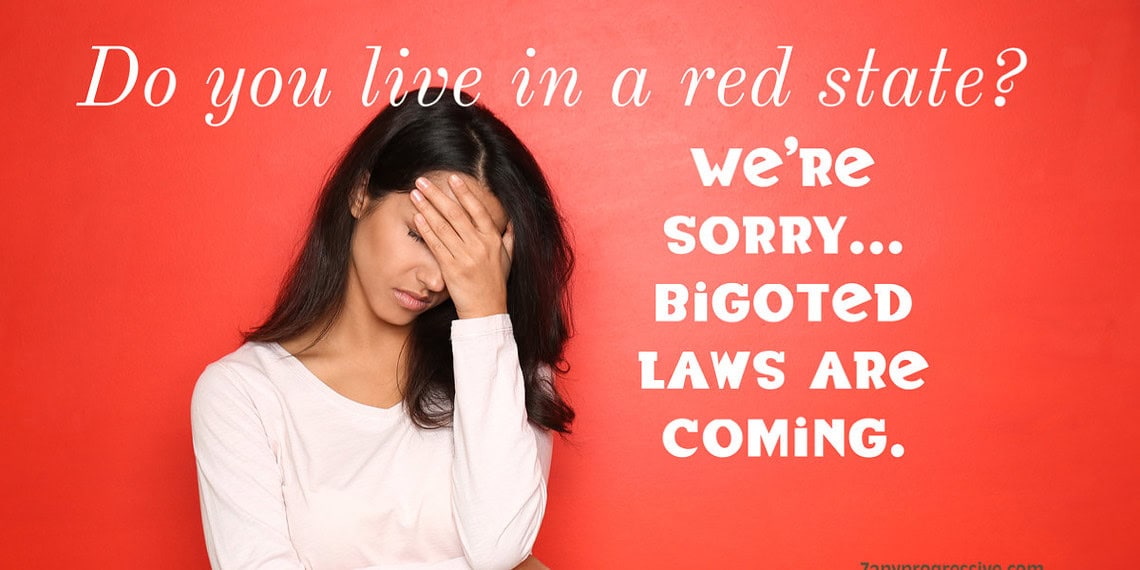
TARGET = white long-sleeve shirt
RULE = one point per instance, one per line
(293, 475)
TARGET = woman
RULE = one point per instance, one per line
(395, 410)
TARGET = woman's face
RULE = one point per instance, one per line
(394, 269)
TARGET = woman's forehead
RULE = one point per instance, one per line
(440, 179)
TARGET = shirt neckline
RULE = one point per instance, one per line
(333, 396)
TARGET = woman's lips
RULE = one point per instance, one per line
(409, 301)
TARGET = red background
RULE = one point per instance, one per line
(138, 241)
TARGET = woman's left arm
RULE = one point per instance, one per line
(501, 460)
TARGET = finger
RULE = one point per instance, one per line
(509, 241)
(508, 250)
(491, 204)
(431, 238)
(450, 211)
(474, 206)
(439, 226)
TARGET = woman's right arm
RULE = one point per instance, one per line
(239, 481)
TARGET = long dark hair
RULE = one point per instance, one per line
(400, 144)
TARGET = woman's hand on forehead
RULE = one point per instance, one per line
(479, 189)
(473, 249)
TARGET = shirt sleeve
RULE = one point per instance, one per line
(239, 482)
(501, 460)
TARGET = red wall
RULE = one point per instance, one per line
(139, 240)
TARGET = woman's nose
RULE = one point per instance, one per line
(431, 275)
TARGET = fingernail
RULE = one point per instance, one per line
(422, 182)
(417, 196)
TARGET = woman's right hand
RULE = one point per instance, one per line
(473, 252)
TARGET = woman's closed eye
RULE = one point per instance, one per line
(412, 233)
